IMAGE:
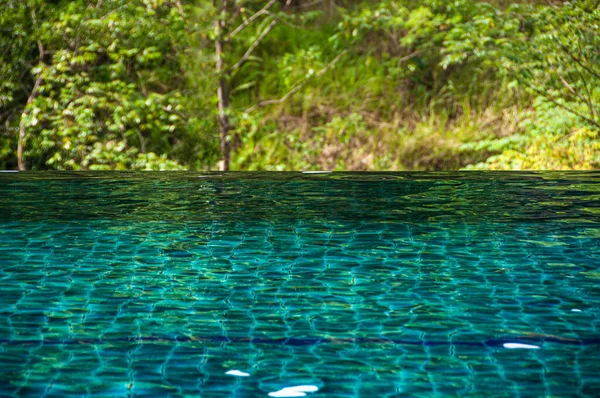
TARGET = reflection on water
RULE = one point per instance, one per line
(325, 285)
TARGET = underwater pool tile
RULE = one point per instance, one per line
(415, 286)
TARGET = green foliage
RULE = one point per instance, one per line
(17, 38)
(113, 90)
(376, 85)
(557, 64)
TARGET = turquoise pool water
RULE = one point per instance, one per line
(370, 285)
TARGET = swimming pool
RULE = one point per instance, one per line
(354, 284)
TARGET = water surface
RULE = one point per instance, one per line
(372, 285)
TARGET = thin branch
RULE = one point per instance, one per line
(580, 63)
(254, 45)
(30, 99)
(114, 11)
(238, 10)
(142, 141)
(409, 56)
(172, 111)
(7, 49)
(39, 42)
(587, 91)
(21, 142)
(555, 102)
(576, 94)
(566, 84)
(282, 20)
(312, 3)
(180, 8)
(40, 49)
(298, 87)
(252, 18)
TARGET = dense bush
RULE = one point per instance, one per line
(363, 85)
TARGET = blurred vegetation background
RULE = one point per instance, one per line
(299, 84)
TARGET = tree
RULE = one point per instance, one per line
(561, 63)
(108, 86)
(226, 28)
(552, 57)
(21, 50)
(432, 84)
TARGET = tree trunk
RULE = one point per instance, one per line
(34, 93)
(222, 93)
(21, 143)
